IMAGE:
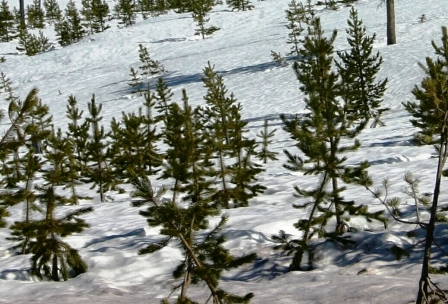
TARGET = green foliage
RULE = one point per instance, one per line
(205, 257)
(24, 193)
(149, 66)
(231, 148)
(319, 136)
(78, 133)
(125, 10)
(7, 23)
(153, 8)
(98, 171)
(135, 81)
(266, 139)
(358, 69)
(277, 57)
(200, 10)
(430, 116)
(86, 12)
(134, 144)
(53, 257)
(35, 15)
(69, 29)
(298, 16)
(53, 12)
(239, 5)
(32, 44)
(96, 14)
(100, 15)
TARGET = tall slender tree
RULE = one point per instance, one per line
(358, 70)
(430, 116)
(99, 172)
(200, 11)
(319, 136)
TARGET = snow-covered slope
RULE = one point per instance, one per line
(240, 51)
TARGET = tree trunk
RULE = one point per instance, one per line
(22, 10)
(424, 278)
(390, 7)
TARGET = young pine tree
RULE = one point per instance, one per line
(358, 70)
(125, 10)
(128, 144)
(430, 116)
(99, 171)
(240, 5)
(153, 158)
(26, 194)
(200, 10)
(236, 171)
(70, 30)
(149, 66)
(7, 23)
(135, 81)
(266, 136)
(53, 12)
(188, 166)
(323, 136)
(100, 15)
(78, 133)
(35, 15)
(86, 12)
(297, 17)
(52, 257)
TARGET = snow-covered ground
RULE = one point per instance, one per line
(240, 51)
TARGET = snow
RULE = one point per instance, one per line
(365, 272)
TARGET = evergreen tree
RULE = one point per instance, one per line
(358, 69)
(180, 6)
(24, 193)
(240, 5)
(53, 12)
(221, 127)
(266, 136)
(297, 16)
(319, 136)
(125, 10)
(86, 12)
(99, 171)
(200, 10)
(100, 15)
(5, 83)
(129, 146)
(150, 67)
(188, 166)
(35, 15)
(430, 116)
(7, 23)
(78, 133)
(135, 81)
(152, 156)
(226, 137)
(32, 44)
(153, 7)
(53, 257)
(70, 30)
(163, 97)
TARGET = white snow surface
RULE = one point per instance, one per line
(363, 273)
